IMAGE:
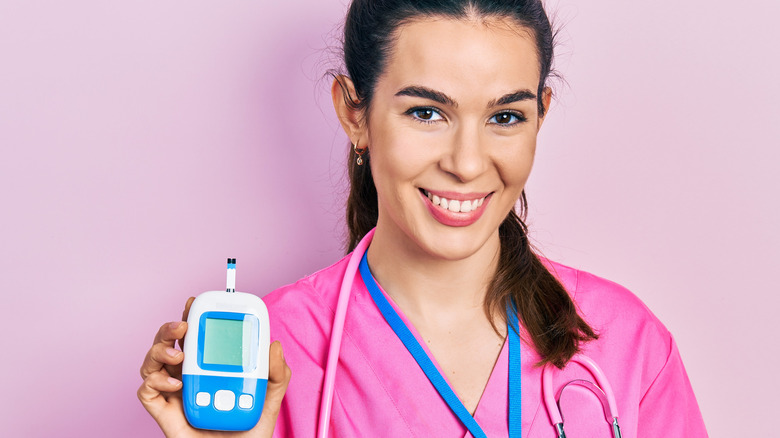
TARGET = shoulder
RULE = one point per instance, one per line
(301, 317)
(637, 353)
(604, 304)
(301, 314)
(632, 340)
(317, 289)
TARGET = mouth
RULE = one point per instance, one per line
(455, 202)
(455, 209)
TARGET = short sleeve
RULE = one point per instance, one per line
(669, 408)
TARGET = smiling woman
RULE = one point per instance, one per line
(443, 102)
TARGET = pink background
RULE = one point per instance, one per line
(144, 142)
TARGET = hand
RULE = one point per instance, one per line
(160, 393)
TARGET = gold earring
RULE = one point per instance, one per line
(359, 152)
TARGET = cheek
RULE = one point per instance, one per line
(411, 145)
(515, 167)
(399, 155)
(389, 167)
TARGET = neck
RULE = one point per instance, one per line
(428, 288)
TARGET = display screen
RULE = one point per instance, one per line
(223, 341)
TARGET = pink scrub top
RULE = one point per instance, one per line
(380, 390)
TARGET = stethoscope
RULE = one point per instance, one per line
(602, 389)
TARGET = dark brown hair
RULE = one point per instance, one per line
(545, 309)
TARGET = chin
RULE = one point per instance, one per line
(454, 245)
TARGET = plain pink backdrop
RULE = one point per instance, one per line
(144, 142)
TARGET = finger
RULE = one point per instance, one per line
(184, 315)
(187, 306)
(150, 393)
(278, 371)
(160, 395)
(170, 332)
(278, 378)
(166, 337)
(161, 356)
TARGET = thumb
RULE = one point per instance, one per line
(278, 379)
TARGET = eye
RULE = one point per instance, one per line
(425, 115)
(507, 118)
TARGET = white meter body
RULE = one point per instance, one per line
(225, 369)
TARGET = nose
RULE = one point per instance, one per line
(466, 156)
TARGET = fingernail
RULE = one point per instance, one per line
(174, 325)
(174, 382)
(172, 352)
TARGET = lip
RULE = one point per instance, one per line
(451, 218)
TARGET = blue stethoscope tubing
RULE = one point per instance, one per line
(603, 391)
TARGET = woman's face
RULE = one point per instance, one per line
(452, 131)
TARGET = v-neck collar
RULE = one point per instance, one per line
(495, 393)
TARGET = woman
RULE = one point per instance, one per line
(443, 103)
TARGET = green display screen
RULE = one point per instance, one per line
(223, 341)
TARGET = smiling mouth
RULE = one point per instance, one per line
(455, 205)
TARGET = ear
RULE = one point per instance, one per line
(343, 93)
(546, 99)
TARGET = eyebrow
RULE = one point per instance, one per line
(517, 96)
(427, 93)
(438, 96)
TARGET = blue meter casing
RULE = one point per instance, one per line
(225, 369)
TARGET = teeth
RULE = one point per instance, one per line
(455, 205)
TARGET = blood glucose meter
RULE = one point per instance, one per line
(225, 370)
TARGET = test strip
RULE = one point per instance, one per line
(231, 275)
